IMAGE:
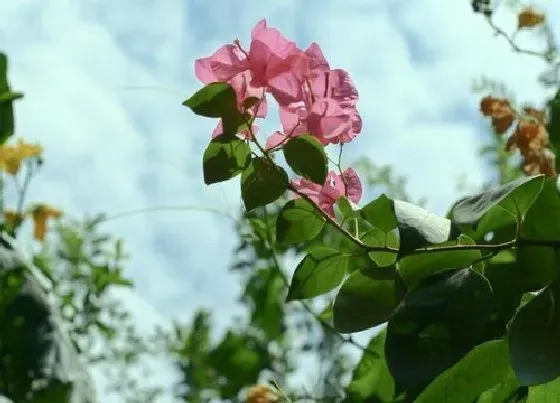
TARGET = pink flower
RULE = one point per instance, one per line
(273, 62)
(223, 65)
(313, 98)
(336, 186)
(328, 108)
(277, 64)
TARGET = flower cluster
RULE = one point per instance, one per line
(336, 186)
(11, 156)
(40, 213)
(313, 98)
(530, 135)
(261, 394)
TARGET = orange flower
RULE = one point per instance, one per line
(528, 136)
(12, 219)
(538, 115)
(529, 18)
(41, 213)
(542, 161)
(11, 156)
(261, 394)
(501, 112)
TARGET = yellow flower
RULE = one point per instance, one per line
(529, 18)
(41, 213)
(261, 394)
(11, 156)
(11, 218)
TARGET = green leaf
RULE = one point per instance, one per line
(554, 126)
(214, 100)
(298, 221)
(380, 213)
(507, 391)
(533, 338)
(364, 302)
(419, 227)
(4, 86)
(7, 125)
(541, 221)
(436, 324)
(515, 197)
(9, 96)
(250, 102)
(319, 272)
(56, 392)
(262, 183)
(483, 367)
(306, 156)
(327, 313)
(371, 379)
(414, 268)
(545, 393)
(224, 158)
(498, 221)
(537, 266)
(377, 238)
(505, 282)
(345, 209)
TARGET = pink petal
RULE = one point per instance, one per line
(203, 71)
(258, 28)
(328, 121)
(277, 63)
(241, 84)
(274, 140)
(307, 187)
(223, 65)
(293, 118)
(318, 63)
(353, 185)
(328, 208)
(219, 130)
(342, 88)
(286, 88)
(356, 121)
(272, 40)
(333, 187)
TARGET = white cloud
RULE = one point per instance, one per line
(110, 149)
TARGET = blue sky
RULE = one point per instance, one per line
(113, 149)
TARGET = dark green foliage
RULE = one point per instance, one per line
(306, 156)
(38, 361)
(225, 157)
(262, 183)
(7, 97)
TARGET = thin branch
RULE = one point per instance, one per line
(168, 208)
(511, 40)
